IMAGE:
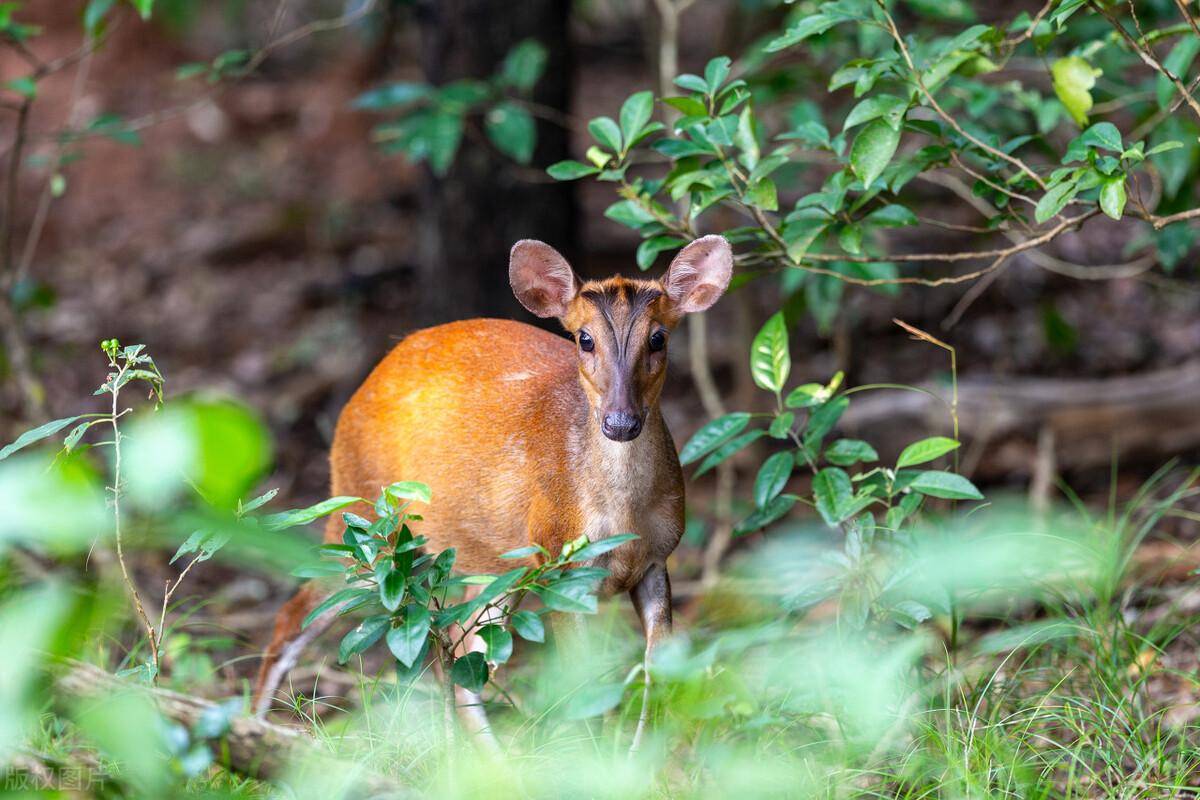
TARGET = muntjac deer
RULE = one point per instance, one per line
(526, 437)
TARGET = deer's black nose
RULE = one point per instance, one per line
(621, 426)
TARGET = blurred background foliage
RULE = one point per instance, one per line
(270, 194)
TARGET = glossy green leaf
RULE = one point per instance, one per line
(728, 449)
(36, 435)
(499, 643)
(365, 634)
(1112, 197)
(847, 452)
(925, 450)
(635, 113)
(408, 639)
(570, 170)
(511, 128)
(470, 671)
(605, 131)
(946, 485)
(809, 25)
(712, 435)
(772, 477)
(763, 517)
(834, 494)
(770, 361)
(529, 626)
(1073, 79)
(391, 590)
(523, 65)
(873, 149)
(303, 516)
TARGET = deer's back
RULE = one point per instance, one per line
(475, 409)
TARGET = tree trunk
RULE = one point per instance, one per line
(471, 217)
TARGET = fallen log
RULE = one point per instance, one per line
(1152, 416)
(253, 747)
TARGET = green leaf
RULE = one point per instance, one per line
(1163, 148)
(393, 95)
(693, 83)
(601, 546)
(809, 25)
(763, 517)
(925, 450)
(726, 450)
(36, 434)
(523, 65)
(523, 552)
(892, 216)
(716, 71)
(688, 106)
(946, 485)
(822, 420)
(762, 194)
(635, 113)
(93, 15)
(144, 7)
(570, 170)
(409, 490)
(470, 671)
(1105, 135)
(806, 396)
(1055, 200)
(649, 249)
(335, 599)
(303, 516)
(772, 477)
(443, 132)
(391, 589)
(605, 131)
(1074, 78)
(847, 452)
(834, 494)
(499, 643)
(529, 626)
(1112, 197)
(407, 640)
(25, 86)
(512, 130)
(712, 435)
(770, 361)
(1177, 62)
(872, 150)
(889, 107)
(363, 636)
(205, 543)
(573, 596)
(781, 426)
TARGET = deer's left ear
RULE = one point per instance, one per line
(700, 274)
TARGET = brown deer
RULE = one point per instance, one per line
(527, 437)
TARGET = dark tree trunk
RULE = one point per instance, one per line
(471, 217)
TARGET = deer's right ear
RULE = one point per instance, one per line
(541, 278)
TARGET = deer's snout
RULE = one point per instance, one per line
(621, 426)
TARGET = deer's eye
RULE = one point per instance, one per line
(585, 342)
(658, 340)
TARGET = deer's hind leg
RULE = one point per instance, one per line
(288, 642)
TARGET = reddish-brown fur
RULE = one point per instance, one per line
(491, 415)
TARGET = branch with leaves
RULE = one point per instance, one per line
(916, 111)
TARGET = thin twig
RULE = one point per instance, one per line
(1148, 57)
(933, 103)
(130, 586)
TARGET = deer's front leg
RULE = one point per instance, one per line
(652, 599)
